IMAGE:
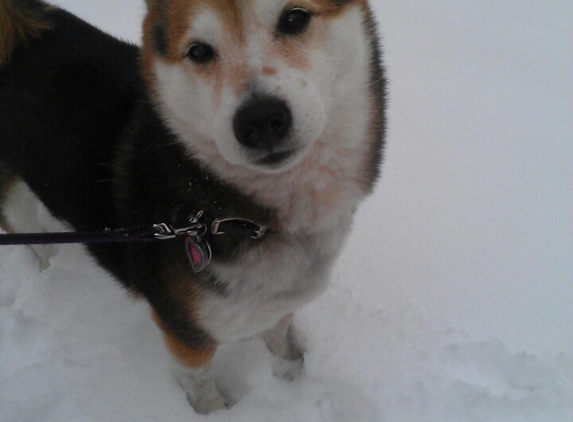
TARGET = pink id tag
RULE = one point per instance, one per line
(198, 253)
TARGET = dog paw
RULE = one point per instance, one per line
(282, 342)
(210, 403)
(201, 391)
(287, 369)
(44, 253)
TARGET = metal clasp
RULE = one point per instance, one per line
(195, 229)
(256, 230)
(164, 232)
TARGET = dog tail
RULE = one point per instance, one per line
(20, 22)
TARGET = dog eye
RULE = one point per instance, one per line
(294, 21)
(201, 53)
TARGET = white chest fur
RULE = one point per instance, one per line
(270, 281)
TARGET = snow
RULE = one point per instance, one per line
(452, 301)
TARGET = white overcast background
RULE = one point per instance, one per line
(453, 300)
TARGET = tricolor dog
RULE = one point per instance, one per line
(256, 124)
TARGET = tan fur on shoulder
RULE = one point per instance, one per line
(185, 355)
(19, 24)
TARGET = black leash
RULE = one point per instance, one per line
(105, 236)
(197, 247)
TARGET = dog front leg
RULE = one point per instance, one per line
(192, 368)
(282, 344)
(19, 213)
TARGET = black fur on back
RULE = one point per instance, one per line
(64, 101)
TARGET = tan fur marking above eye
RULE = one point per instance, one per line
(177, 22)
(185, 355)
(230, 14)
(326, 8)
(178, 15)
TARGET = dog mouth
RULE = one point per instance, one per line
(276, 159)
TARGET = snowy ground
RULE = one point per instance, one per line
(453, 301)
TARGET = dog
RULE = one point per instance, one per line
(263, 115)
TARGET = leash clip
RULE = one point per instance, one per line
(164, 232)
(238, 227)
(196, 229)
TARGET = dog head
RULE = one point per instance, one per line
(251, 81)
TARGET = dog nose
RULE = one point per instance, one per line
(262, 123)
